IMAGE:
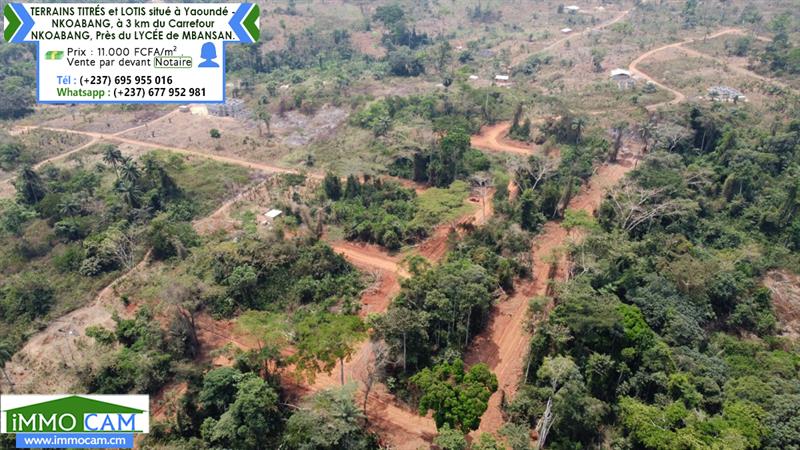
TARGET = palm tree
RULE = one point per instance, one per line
(577, 125)
(618, 132)
(129, 193)
(646, 131)
(112, 156)
(30, 186)
(70, 206)
(151, 167)
(6, 352)
(263, 115)
(129, 172)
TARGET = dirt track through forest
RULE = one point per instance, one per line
(395, 422)
(493, 138)
(504, 343)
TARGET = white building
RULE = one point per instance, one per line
(233, 107)
(726, 94)
(273, 213)
(623, 78)
(502, 80)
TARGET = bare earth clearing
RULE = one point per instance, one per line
(785, 290)
(493, 138)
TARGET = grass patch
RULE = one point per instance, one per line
(437, 205)
(208, 183)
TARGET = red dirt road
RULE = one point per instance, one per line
(220, 158)
(504, 343)
(493, 138)
(369, 256)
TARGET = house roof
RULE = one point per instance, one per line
(617, 72)
(725, 91)
(566, 30)
(273, 213)
(75, 404)
(501, 77)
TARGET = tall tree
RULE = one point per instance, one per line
(618, 132)
(252, 420)
(30, 187)
(457, 397)
(264, 116)
(113, 157)
(333, 186)
(323, 340)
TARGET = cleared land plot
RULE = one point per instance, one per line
(606, 96)
(97, 118)
(693, 75)
(238, 139)
(723, 47)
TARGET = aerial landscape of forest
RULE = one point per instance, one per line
(426, 224)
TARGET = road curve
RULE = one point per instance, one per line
(678, 96)
(492, 138)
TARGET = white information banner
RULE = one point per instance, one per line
(129, 52)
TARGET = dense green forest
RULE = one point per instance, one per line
(665, 337)
(17, 75)
(71, 230)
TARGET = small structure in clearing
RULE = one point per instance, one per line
(623, 78)
(271, 215)
(725, 94)
(566, 30)
(231, 108)
(572, 9)
(198, 110)
(502, 80)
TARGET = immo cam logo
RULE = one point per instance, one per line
(71, 421)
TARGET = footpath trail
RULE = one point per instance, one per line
(520, 58)
(6, 186)
(95, 137)
(186, 151)
(56, 346)
(678, 96)
(504, 343)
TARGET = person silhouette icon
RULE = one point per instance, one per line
(209, 54)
